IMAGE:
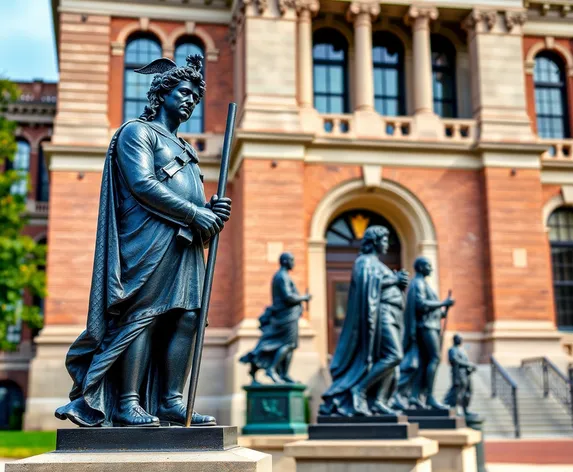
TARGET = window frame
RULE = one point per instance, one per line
(383, 38)
(344, 63)
(561, 87)
(441, 44)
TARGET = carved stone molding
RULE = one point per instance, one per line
(480, 21)
(311, 6)
(515, 18)
(357, 8)
(419, 12)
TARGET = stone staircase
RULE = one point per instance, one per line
(539, 417)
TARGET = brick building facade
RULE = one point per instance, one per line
(450, 123)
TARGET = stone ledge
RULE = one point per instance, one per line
(453, 437)
(416, 449)
(268, 442)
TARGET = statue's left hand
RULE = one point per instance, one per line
(220, 206)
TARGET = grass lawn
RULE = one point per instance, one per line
(17, 444)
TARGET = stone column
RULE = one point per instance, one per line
(367, 122)
(306, 10)
(362, 14)
(426, 122)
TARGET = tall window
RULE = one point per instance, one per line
(43, 186)
(388, 58)
(330, 71)
(561, 237)
(21, 163)
(550, 96)
(140, 51)
(444, 77)
(189, 45)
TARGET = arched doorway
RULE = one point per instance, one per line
(11, 405)
(343, 237)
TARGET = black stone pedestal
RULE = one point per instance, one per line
(435, 419)
(152, 439)
(362, 427)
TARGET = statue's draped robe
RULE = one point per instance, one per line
(142, 268)
(461, 390)
(357, 339)
(279, 322)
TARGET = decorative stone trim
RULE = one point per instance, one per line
(211, 51)
(143, 25)
(420, 12)
(357, 8)
(548, 44)
(480, 21)
(513, 19)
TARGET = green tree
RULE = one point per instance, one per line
(21, 258)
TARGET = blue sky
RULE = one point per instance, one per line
(27, 46)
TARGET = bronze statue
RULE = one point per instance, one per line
(421, 342)
(130, 365)
(460, 393)
(364, 365)
(279, 326)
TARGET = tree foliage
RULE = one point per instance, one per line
(21, 258)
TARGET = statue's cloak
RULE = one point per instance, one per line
(350, 361)
(411, 360)
(90, 360)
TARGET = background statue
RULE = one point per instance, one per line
(422, 341)
(279, 326)
(365, 362)
(130, 365)
(460, 393)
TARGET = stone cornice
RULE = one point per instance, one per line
(480, 21)
(514, 21)
(358, 8)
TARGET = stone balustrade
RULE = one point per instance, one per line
(459, 130)
(205, 144)
(37, 209)
(558, 150)
(334, 125)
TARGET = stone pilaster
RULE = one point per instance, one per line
(426, 122)
(306, 10)
(498, 99)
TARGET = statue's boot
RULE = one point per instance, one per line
(360, 402)
(175, 414)
(274, 376)
(435, 404)
(288, 379)
(398, 402)
(130, 413)
(379, 408)
(416, 403)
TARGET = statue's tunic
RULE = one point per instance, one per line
(147, 262)
(279, 322)
(461, 388)
(373, 318)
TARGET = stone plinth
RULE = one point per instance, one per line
(275, 409)
(238, 459)
(274, 445)
(457, 449)
(396, 455)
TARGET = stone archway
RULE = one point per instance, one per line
(403, 211)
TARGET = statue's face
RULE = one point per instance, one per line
(181, 101)
(426, 269)
(289, 263)
(383, 245)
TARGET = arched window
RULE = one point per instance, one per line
(388, 59)
(561, 237)
(21, 163)
(43, 185)
(550, 96)
(343, 238)
(444, 77)
(190, 45)
(139, 51)
(330, 71)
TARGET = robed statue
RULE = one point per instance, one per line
(279, 327)
(422, 341)
(130, 365)
(460, 393)
(369, 350)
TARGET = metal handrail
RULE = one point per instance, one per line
(553, 381)
(504, 387)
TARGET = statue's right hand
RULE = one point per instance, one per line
(448, 302)
(207, 222)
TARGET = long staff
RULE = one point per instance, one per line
(210, 269)
(445, 325)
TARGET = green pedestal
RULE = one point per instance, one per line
(275, 409)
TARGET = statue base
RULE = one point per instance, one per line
(435, 419)
(195, 449)
(194, 438)
(410, 455)
(362, 427)
(457, 449)
(275, 409)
